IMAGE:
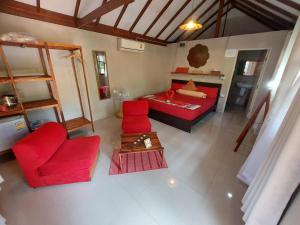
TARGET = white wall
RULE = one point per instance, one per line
(138, 73)
(273, 41)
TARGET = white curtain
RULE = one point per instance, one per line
(279, 175)
(272, 170)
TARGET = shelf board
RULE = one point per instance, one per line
(39, 44)
(40, 104)
(77, 123)
(200, 74)
(27, 78)
(14, 111)
(5, 80)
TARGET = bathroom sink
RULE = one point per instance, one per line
(244, 85)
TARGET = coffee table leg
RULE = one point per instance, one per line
(120, 162)
(162, 158)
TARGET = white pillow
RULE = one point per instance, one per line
(197, 94)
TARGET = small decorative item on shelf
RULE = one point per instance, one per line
(215, 72)
(182, 70)
(119, 95)
(9, 100)
(18, 37)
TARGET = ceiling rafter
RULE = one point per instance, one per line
(120, 15)
(206, 21)
(158, 16)
(173, 17)
(186, 18)
(101, 10)
(275, 18)
(212, 23)
(291, 4)
(140, 15)
(277, 9)
(76, 9)
(98, 19)
(199, 17)
(29, 11)
(253, 14)
(38, 5)
(219, 18)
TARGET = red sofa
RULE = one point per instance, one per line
(135, 117)
(46, 157)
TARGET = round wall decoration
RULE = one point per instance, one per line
(198, 55)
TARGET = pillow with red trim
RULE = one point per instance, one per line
(212, 92)
(175, 86)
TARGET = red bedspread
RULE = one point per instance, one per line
(187, 114)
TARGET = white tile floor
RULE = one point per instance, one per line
(192, 191)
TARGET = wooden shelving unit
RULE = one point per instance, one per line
(200, 74)
(54, 102)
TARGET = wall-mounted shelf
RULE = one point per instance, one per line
(200, 74)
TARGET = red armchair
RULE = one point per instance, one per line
(135, 117)
(46, 157)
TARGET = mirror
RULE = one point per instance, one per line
(101, 74)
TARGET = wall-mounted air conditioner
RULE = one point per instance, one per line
(130, 45)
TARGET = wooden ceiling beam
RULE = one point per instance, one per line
(38, 5)
(101, 10)
(277, 9)
(290, 4)
(76, 9)
(25, 10)
(120, 15)
(212, 23)
(186, 19)
(98, 19)
(199, 17)
(140, 15)
(173, 17)
(253, 14)
(158, 16)
(207, 20)
(219, 18)
(283, 24)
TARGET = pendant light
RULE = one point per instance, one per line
(191, 25)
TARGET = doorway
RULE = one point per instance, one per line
(245, 80)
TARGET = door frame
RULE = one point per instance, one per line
(250, 104)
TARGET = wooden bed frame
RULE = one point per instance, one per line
(182, 124)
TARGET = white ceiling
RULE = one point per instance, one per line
(67, 7)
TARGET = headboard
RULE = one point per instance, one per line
(205, 84)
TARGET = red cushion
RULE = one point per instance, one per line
(74, 155)
(136, 124)
(175, 86)
(135, 108)
(212, 92)
(38, 147)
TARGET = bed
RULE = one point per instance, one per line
(182, 117)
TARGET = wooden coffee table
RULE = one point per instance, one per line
(128, 146)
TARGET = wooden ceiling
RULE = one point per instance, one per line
(153, 21)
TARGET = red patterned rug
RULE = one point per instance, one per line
(136, 162)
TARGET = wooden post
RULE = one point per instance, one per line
(86, 87)
(9, 73)
(48, 82)
(77, 84)
(54, 83)
(219, 18)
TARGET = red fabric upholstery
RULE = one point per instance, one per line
(46, 156)
(175, 86)
(135, 117)
(205, 103)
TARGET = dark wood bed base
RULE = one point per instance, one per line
(182, 124)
